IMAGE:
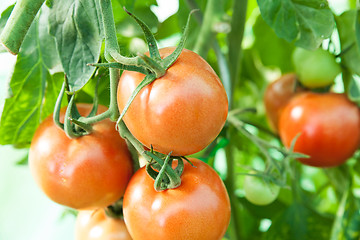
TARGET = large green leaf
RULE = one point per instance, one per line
(77, 27)
(307, 22)
(33, 88)
(273, 51)
(346, 26)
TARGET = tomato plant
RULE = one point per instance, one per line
(182, 112)
(259, 192)
(202, 90)
(198, 209)
(328, 126)
(88, 172)
(92, 225)
(315, 68)
(277, 95)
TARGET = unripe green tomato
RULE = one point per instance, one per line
(315, 68)
(259, 192)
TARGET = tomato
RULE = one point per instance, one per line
(328, 125)
(91, 171)
(315, 68)
(182, 112)
(259, 192)
(277, 95)
(198, 209)
(96, 225)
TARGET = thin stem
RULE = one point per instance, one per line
(235, 38)
(235, 222)
(19, 23)
(111, 43)
(202, 45)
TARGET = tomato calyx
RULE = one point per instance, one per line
(115, 210)
(161, 170)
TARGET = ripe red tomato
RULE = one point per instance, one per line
(96, 225)
(329, 127)
(277, 95)
(182, 112)
(91, 171)
(199, 209)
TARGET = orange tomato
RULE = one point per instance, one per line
(88, 172)
(96, 225)
(183, 111)
(199, 209)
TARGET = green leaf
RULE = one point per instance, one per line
(33, 89)
(77, 27)
(307, 22)
(298, 223)
(273, 51)
(347, 33)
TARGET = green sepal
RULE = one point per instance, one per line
(153, 65)
(121, 66)
(150, 39)
(56, 116)
(68, 127)
(166, 172)
(146, 81)
(169, 60)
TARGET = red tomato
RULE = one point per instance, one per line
(91, 171)
(96, 225)
(199, 209)
(182, 112)
(328, 125)
(277, 95)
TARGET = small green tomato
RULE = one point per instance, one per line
(315, 69)
(259, 192)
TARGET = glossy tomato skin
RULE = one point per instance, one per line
(182, 112)
(277, 94)
(88, 172)
(328, 125)
(96, 225)
(199, 209)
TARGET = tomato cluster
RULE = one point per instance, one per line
(325, 125)
(179, 113)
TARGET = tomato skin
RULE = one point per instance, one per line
(259, 192)
(182, 112)
(328, 125)
(96, 225)
(88, 172)
(277, 94)
(199, 209)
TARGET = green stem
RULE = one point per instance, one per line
(111, 44)
(235, 39)
(19, 23)
(203, 44)
(235, 222)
